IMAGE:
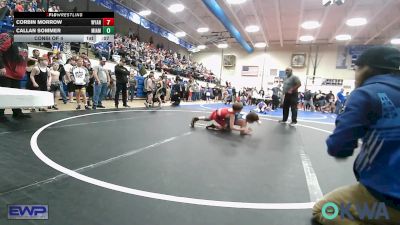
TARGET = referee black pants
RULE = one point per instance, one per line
(290, 101)
(121, 87)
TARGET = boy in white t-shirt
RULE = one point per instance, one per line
(81, 76)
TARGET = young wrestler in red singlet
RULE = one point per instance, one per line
(226, 119)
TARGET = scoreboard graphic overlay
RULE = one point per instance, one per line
(89, 27)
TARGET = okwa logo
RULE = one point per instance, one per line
(365, 211)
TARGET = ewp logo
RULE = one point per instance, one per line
(377, 210)
(28, 212)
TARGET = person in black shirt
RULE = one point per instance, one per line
(61, 79)
(261, 92)
(176, 91)
(330, 95)
(121, 74)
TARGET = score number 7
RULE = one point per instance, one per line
(108, 21)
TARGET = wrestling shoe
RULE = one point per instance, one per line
(211, 127)
(194, 120)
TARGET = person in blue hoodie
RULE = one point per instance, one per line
(372, 113)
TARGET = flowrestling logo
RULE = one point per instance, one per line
(365, 211)
(28, 212)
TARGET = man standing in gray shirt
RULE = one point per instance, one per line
(290, 86)
(101, 83)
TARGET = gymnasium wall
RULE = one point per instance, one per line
(275, 58)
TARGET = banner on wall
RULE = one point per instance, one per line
(251, 71)
(342, 58)
(145, 23)
(355, 51)
(347, 56)
(122, 10)
(136, 18)
(109, 4)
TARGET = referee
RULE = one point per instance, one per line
(290, 86)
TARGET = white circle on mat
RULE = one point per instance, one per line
(171, 198)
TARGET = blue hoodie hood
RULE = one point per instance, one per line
(391, 80)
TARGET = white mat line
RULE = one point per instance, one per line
(94, 165)
(314, 188)
(86, 123)
(103, 121)
(147, 194)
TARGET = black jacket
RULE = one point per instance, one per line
(121, 73)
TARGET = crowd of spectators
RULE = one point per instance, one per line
(59, 78)
(8, 7)
(30, 6)
(147, 56)
(322, 102)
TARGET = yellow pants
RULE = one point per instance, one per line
(353, 194)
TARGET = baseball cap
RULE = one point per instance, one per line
(380, 57)
(103, 59)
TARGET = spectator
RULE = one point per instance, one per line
(370, 115)
(69, 78)
(34, 5)
(101, 83)
(81, 78)
(121, 74)
(132, 84)
(340, 101)
(308, 101)
(13, 63)
(330, 95)
(40, 77)
(158, 92)
(262, 93)
(5, 11)
(19, 7)
(62, 78)
(102, 49)
(53, 8)
(54, 83)
(90, 83)
(276, 93)
(150, 88)
(30, 8)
